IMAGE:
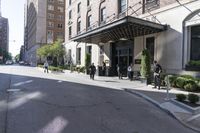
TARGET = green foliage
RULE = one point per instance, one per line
(180, 97)
(52, 68)
(192, 98)
(187, 76)
(190, 86)
(194, 63)
(172, 80)
(44, 51)
(145, 64)
(180, 82)
(82, 69)
(87, 60)
(17, 57)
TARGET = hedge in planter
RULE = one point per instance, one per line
(191, 86)
(146, 65)
(192, 98)
(181, 97)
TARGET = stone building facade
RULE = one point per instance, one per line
(117, 31)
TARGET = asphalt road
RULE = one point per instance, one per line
(31, 103)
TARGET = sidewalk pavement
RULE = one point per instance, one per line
(155, 96)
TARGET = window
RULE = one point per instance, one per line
(50, 24)
(152, 4)
(70, 2)
(70, 14)
(49, 36)
(78, 26)
(79, 7)
(103, 14)
(101, 50)
(60, 1)
(50, 1)
(60, 17)
(79, 56)
(88, 2)
(89, 50)
(195, 43)
(50, 16)
(89, 21)
(150, 45)
(60, 35)
(60, 26)
(60, 9)
(70, 32)
(50, 7)
(122, 6)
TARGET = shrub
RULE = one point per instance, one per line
(180, 97)
(192, 98)
(145, 64)
(194, 63)
(180, 82)
(191, 86)
(172, 80)
(52, 68)
(187, 76)
(82, 69)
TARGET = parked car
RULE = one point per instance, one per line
(9, 62)
(21, 63)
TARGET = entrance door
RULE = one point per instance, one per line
(124, 58)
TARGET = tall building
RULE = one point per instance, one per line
(44, 24)
(4, 35)
(117, 31)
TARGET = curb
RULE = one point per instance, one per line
(158, 105)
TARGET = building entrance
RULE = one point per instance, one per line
(122, 56)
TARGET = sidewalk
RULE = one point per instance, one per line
(155, 96)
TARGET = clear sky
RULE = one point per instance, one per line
(14, 11)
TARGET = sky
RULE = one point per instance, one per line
(14, 11)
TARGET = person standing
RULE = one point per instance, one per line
(104, 69)
(92, 71)
(130, 72)
(157, 71)
(46, 67)
(119, 71)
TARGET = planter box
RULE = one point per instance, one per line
(192, 68)
(193, 110)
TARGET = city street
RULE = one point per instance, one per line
(35, 102)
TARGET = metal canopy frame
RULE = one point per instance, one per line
(126, 28)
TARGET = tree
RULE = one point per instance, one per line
(146, 65)
(58, 52)
(17, 58)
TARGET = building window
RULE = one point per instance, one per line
(150, 45)
(50, 24)
(70, 32)
(152, 4)
(60, 26)
(60, 35)
(70, 2)
(79, 7)
(60, 9)
(89, 21)
(50, 7)
(88, 2)
(60, 1)
(50, 1)
(60, 17)
(70, 14)
(195, 43)
(122, 6)
(49, 36)
(78, 56)
(78, 26)
(103, 14)
(50, 16)
(101, 50)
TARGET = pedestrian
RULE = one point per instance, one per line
(119, 71)
(130, 72)
(92, 71)
(157, 71)
(104, 69)
(46, 67)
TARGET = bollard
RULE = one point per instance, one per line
(168, 88)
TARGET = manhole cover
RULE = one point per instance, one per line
(13, 90)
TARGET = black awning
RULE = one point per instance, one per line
(127, 28)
